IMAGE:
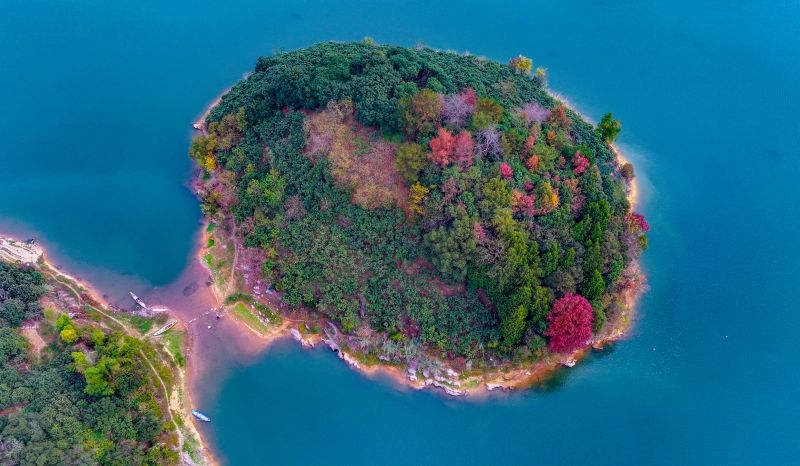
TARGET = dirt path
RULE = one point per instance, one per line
(232, 278)
(33, 336)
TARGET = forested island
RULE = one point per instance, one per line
(435, 212)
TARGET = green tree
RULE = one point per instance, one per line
(594, 286)
(419, 114)
(410, 161)
(452, 248)
(512, 326)
(609, 128)
(63, 321)
(69, 335)
(569, 258)
(13, 312)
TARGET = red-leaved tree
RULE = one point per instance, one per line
(580, 163)
(636, 223)
(506, 171)
(528, 185)
(558, 118)
(569, 324)
(525, 203)
(464, 150)
(442, 148)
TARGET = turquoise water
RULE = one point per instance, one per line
(97, 100)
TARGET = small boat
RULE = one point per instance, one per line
(138, 301)
(200, 416)
(165, 328)
(570, 363)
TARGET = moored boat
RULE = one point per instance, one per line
(138, 301)
(200, 416)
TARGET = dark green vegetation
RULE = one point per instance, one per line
(20, 290)
(437, 198)
(85, 399)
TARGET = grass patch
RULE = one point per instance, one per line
(472, 383)
(366, 359)
(50, 315)
(93, 314)
(209, 261)
(273, 317)
(173, 342)
(145, 324)
(241, 312)
(210, 242)
(210, 227)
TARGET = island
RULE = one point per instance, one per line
(437, 215)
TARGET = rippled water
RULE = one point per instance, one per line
(97, 103)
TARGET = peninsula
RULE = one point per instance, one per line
(81, 383)
(439, 215)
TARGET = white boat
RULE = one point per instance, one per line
(200, 416)
(138, 301)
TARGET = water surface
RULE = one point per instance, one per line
(97, 100)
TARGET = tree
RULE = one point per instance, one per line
(410, 161)
(522, 64)
(457, 108)
(464, 150)
(545, 156)
(452, 248)
(13, 312)
(558, 118)
(63, 321)
(532, 163)
(491, 108)
(532, 112)
(548, 198)
(442, 148)
(420, 113)
(609, 128)
(69, 335)
(506, 171)
(488, 142)
(580, 163)
(627, 171)
(523, 203)
(569, 324)
(513, 142)
(203, 149)
(594, 285)
(512, 325)
(636, 224)
(419, 194)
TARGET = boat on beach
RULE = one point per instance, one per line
(138, 301)
(200, 416)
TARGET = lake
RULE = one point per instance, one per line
(98, 101)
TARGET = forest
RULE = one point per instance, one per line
(83, 399)
(444, 201)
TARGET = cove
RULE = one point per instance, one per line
(98, 102)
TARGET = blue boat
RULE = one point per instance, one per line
(200, 416)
